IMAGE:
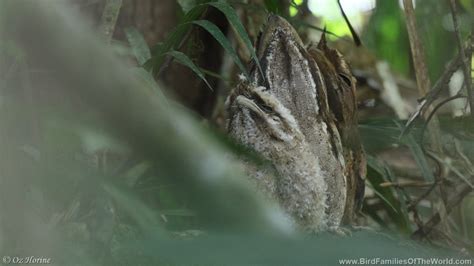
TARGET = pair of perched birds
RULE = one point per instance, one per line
(299, 112)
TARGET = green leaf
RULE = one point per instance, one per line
(382, 197)
(173, 40)
(378, 134)
(147, 79)
(219, 36)
(372, 162)
(402, 197)
(234, 20)
(187, 5)
(272, 6)
(396, 208)
(139, 46)
(215, 75)
(418, 153)
(420, 157)
(186, 61)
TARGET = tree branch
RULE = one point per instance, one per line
(421, 71)
(435, 219)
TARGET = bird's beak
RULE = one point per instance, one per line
(249, 104)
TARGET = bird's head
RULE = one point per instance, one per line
(261, 120)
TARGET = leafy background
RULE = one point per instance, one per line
(114, 153)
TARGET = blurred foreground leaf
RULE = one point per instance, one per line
(103, 221)
(139, 47)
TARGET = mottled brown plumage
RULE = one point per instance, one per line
(341, 86)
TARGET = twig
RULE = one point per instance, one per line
(437, 88)
(412, 206)
(109, 18)
(298, 23)
(441, 175)
(447, 163)
(354, 34)
(436, 218)
(443, 81)
(402, 184)
(433, 112)
(465, 67)
(421, 71)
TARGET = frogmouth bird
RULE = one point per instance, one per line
(301, 115)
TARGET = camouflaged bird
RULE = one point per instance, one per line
(341, 88)
(301, 115)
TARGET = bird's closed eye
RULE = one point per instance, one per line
(346, 79)
(267, 109)
(276, 119)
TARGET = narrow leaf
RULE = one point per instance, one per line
(419, 155)
(214, 74)
(187, 5)
(272, 6)
(139, 46)
(173, 40)
(234, 20)
(402, 197)
(372, 162)
(219, 36)
(382, 197)
(186, 61)
(378, 171)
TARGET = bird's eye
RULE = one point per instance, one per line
(346, 79)
(276, 118)
(267, 109)
(262, 105)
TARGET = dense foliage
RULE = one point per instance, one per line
(99, 165)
